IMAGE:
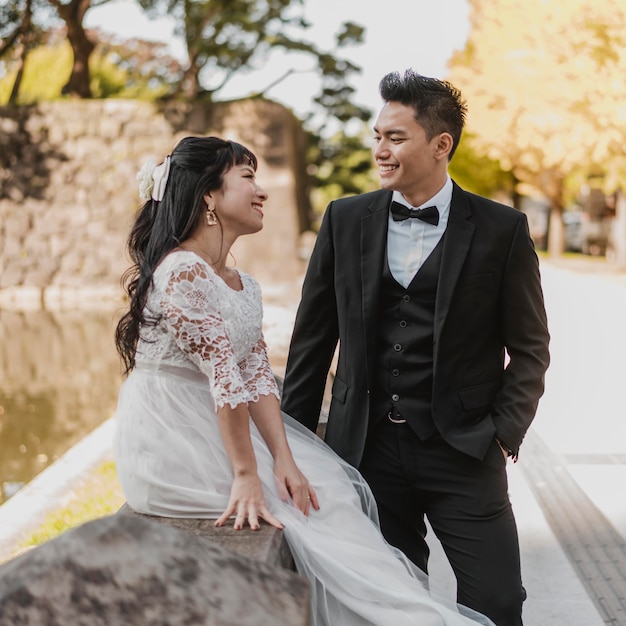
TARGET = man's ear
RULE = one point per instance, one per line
(444, 145)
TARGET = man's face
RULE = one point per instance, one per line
(407, 161)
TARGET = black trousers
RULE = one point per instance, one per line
(467, 504)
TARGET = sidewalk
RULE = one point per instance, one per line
(575, 463)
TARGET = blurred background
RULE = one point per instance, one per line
(543, 79)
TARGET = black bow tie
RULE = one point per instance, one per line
(400, 213)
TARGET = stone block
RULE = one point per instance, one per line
(38, 277)
(124, 569)
(267, 545)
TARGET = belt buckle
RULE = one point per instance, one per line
(395, 420)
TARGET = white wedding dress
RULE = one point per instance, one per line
(207, 350)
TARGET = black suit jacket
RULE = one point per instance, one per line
(489, 304)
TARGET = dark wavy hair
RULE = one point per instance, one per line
(197, 167)
(438, 105)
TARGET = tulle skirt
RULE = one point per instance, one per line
(171, 462)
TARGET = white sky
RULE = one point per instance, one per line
(421, 34)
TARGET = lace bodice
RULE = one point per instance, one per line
(207, 326)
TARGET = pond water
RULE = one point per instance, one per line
(59, 379)
(60, 376)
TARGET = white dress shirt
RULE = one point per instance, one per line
(410, 242)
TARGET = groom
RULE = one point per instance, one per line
(434, 296)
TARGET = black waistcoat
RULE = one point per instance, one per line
(404, 358)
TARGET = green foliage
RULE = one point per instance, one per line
(226, 37)
(10, 19)
(476, 172)
(223, 37)
(16, 25)
(132, 69)
(46, 70)
(340, 165)
(107, 79)
(99, 495)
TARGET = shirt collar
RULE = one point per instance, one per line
(441, 199)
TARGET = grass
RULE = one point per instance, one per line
(98, 495)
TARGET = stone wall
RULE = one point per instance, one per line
(68, 191)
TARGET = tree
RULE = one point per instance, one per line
(48, 66)
(132, 68)
(224, 37)
(339, 165)
(479, 174)
(73, 13)
(19, 36)
(544, 83)
(23, 20)
(118, 69)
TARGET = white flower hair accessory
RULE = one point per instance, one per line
(153, 179)
(146, 182)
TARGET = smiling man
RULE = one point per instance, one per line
(427, 288)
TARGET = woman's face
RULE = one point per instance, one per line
(239, 202)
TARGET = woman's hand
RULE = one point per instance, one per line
(247, 503)
(290, 480)
(292, 483)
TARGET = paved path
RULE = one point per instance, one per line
(576, 465)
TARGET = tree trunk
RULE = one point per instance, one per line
(78, 83)
(189, 85)
(616, 253)
(556, 232)
(18, 77)
(24, 44)
(553, 187)
(82, 47)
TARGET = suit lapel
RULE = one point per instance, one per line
(456, 245)
(373, 247)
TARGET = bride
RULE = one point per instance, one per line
(200, 433)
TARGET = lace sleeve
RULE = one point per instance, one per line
(191, 312)
(257, 374)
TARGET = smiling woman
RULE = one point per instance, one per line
(200, 433)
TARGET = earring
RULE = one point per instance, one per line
(211, 218)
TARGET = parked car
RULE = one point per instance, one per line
(595, 235)
(572, 227)
(585, 233)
